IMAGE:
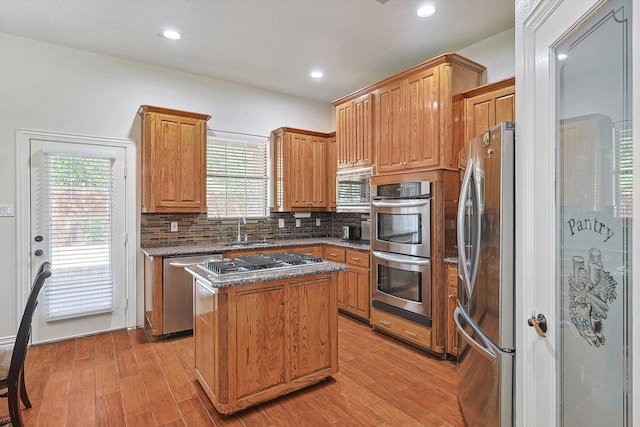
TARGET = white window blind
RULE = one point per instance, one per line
(79, 201)
(623, 173)
(237, 177)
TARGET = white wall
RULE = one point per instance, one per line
(56, 89)
(497, 53)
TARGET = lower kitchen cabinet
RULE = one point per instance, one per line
(153, 295)
(354, 285)
(256, 342)
(453, 339)
(401, 328)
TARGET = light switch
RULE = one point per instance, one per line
(280, 222)
(174, 225)
(297, 223)
(318, 222)
(6, 209)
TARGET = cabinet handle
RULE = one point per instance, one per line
(355, 259)
(385, 323)
(333, 255)
(413, 334)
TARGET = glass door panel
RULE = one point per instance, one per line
(594, 219)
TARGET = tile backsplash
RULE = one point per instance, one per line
(155, 229)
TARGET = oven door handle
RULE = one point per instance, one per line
(413, 203)
(385, 256)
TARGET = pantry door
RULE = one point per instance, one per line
(575, 215)
(77, 213)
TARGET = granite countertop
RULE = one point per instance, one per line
(267, 275)
(232, 246)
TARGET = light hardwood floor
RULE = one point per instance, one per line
(123, 379)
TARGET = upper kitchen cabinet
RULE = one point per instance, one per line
(354, 131)
(173, 154)
(332, 154)
(414, 114)
(488, 105)
(300, 170)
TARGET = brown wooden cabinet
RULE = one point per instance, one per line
(300, 170)
(487, 106)
(173, 150)
(332, 162)
(153, 294)
(354, 285)
(453, 339)
(354, 131)
(414, 114)
(256, 342)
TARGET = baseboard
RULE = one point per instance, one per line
(7, 341)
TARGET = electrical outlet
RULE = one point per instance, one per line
(318, 222)
(280, 222)
(297, 223)
(174, 225)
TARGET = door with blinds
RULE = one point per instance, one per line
(78, 224)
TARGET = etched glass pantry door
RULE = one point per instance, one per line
(594, 218)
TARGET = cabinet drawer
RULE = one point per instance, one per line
(335, 254)
(359, 258)
(418, 334)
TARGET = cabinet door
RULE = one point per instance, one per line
(310, 322)
(452, 296)
(486, 110)
(316, 165)
(422, 144)
(178, 162)
(358, 292)
(389, 127)
(297, 181)
(332, 151)
(354, 128)
(260, 329)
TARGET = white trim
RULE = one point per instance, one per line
(23, 209)
(6, 341)
(635, 295)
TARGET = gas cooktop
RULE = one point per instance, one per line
(251, 263)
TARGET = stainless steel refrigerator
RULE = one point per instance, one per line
(485, 313)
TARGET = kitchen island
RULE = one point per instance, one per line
(261, 334)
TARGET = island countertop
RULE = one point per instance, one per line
(219, 247)
(267, 275)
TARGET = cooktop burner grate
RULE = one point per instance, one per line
(259, 262)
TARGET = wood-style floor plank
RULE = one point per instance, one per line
(125, 379)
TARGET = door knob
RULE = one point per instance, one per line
(539, 322)
(38, 252)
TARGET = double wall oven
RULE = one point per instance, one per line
(401, 243)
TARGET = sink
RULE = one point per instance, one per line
(255, 243)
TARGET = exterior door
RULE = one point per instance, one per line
(575, 199)
(78, 224)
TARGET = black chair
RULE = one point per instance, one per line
(12, 359)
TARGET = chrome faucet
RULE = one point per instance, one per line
(244, 221)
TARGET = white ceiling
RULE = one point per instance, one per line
(269, 44)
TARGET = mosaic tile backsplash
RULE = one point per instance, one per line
(155, 229)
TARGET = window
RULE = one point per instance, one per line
(237, 176)
(80, 210)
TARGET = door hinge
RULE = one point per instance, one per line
(126, 303)
(126, 238)
(125, 172)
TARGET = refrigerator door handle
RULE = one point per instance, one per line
(468, 184)
(486, 349)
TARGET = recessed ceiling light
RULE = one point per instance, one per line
(316, 74)
(171, 35)
(425, 11)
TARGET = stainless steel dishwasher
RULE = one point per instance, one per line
(177, 291)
